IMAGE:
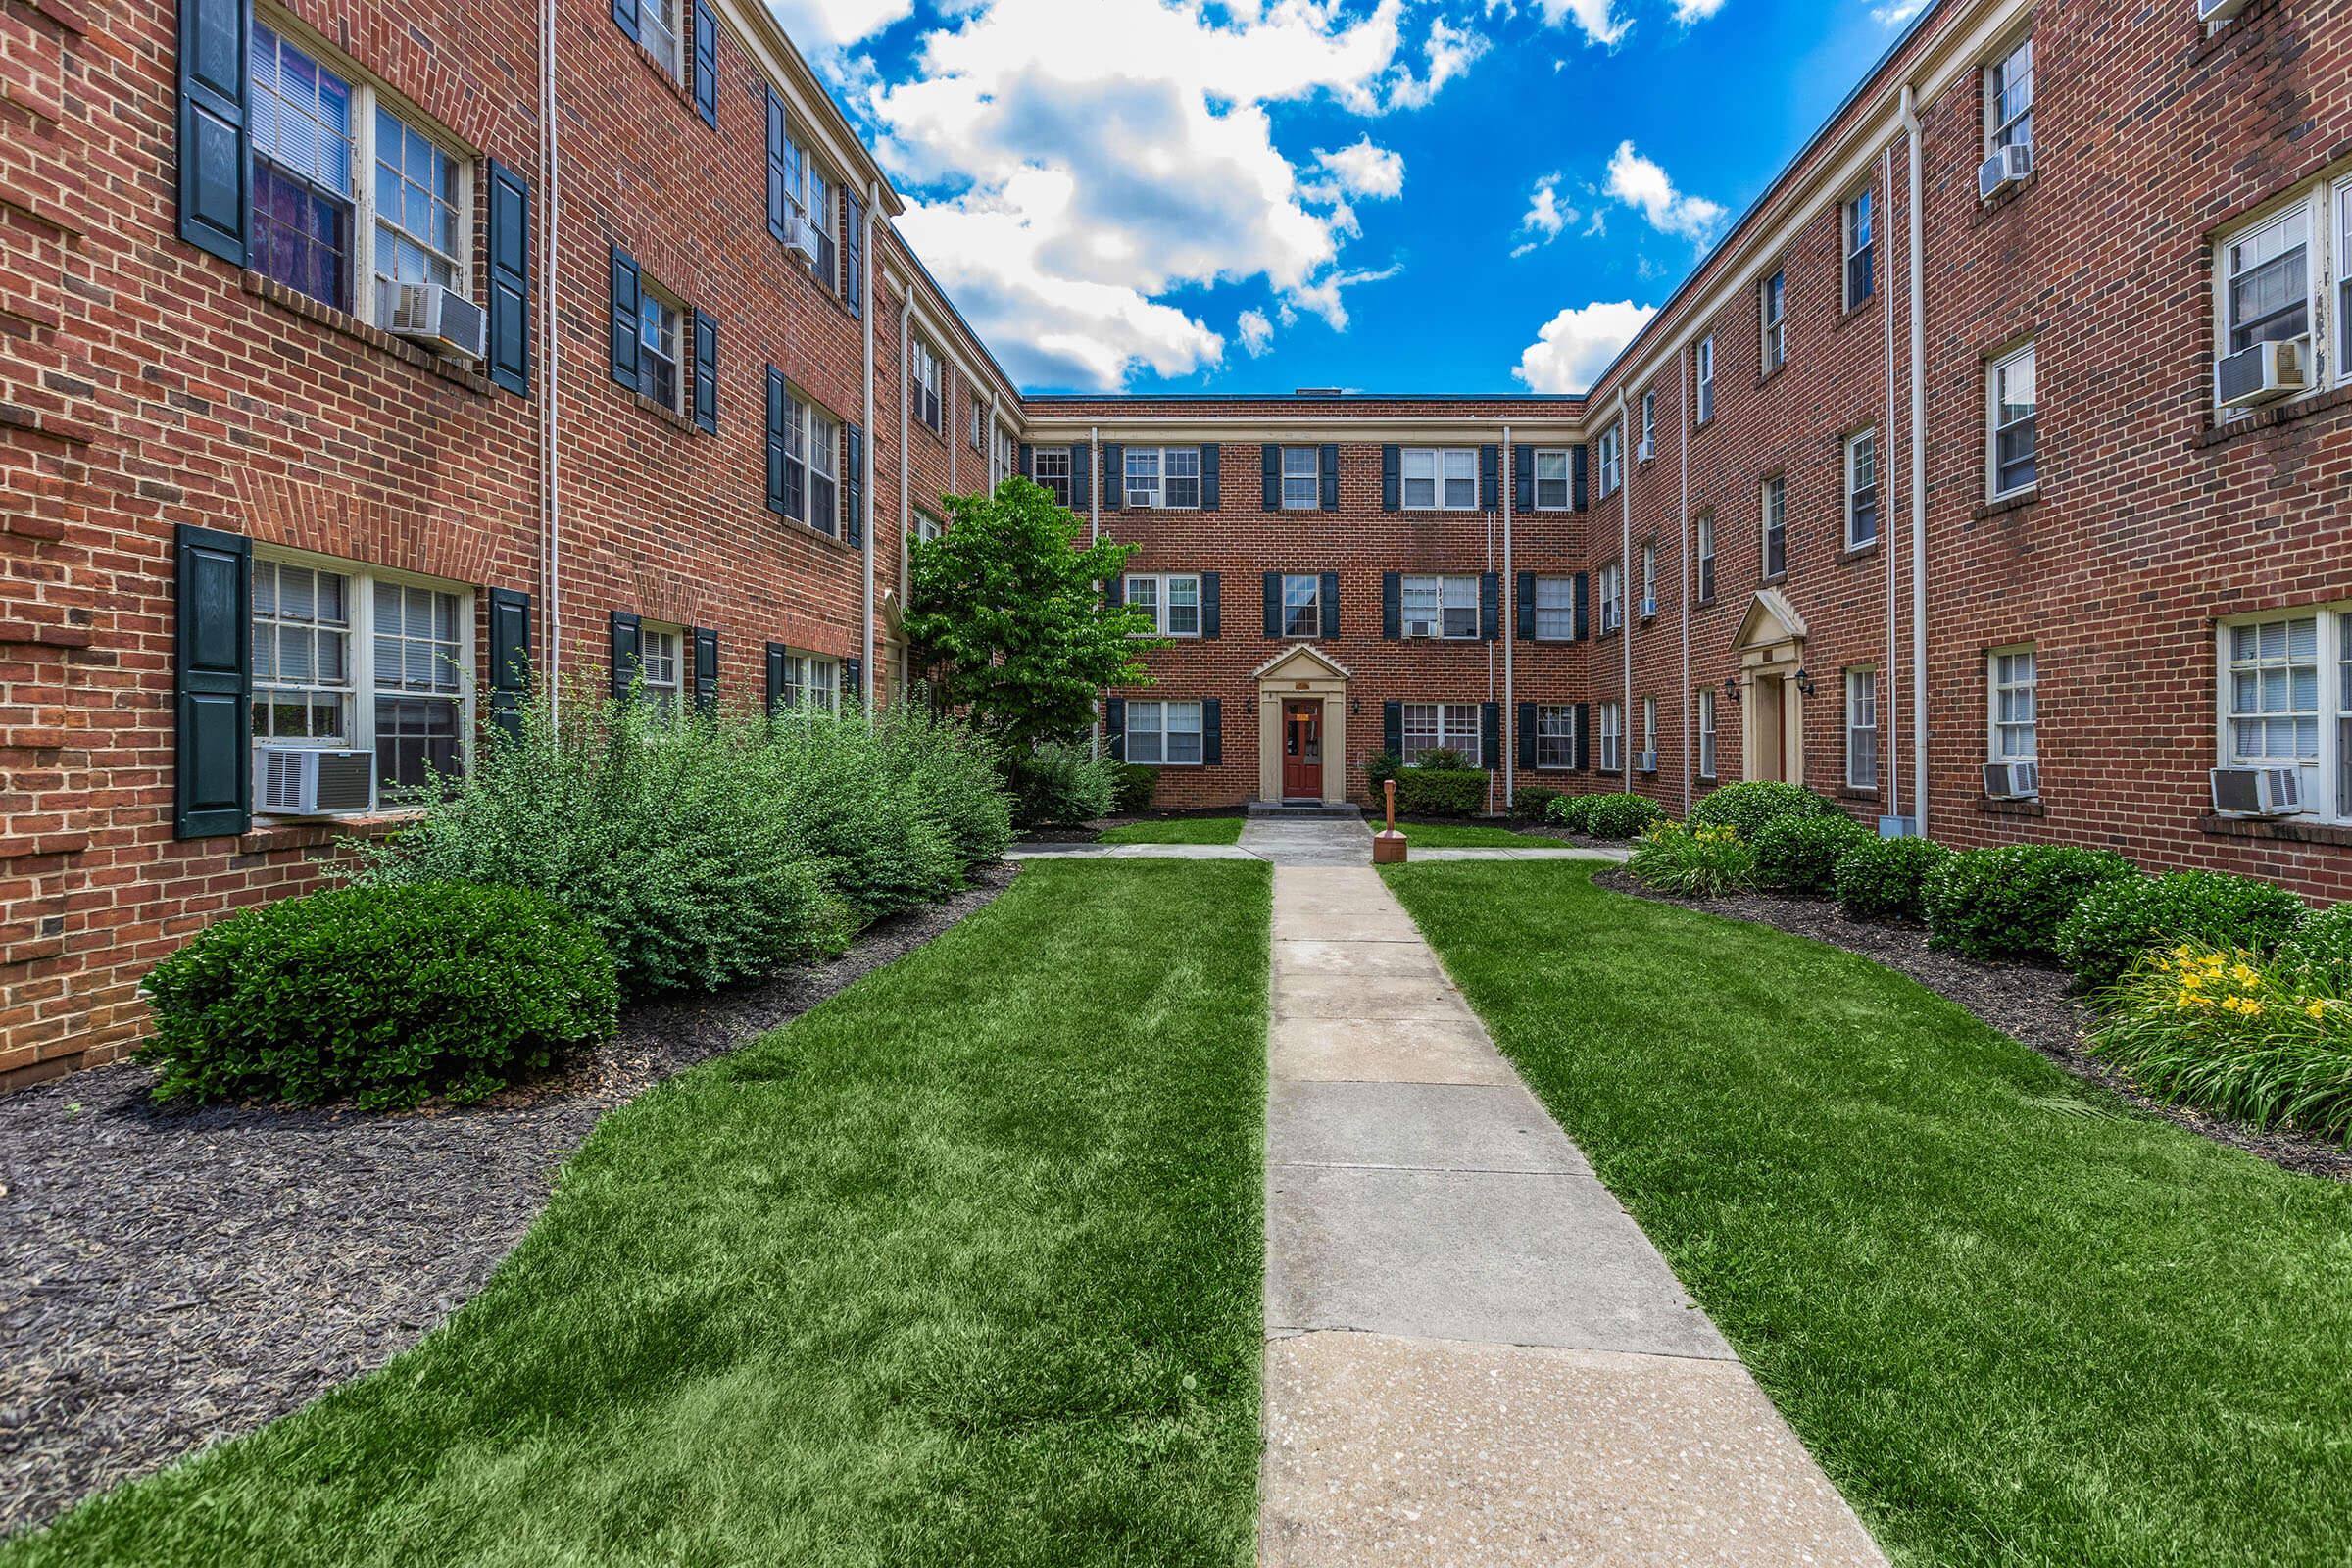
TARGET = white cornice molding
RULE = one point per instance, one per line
(1336, 426)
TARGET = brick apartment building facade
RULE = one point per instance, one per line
(253, 510)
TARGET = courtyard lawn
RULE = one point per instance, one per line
(961, 1267)
(1472, 836)
(1178, 830)
(2016, 1323)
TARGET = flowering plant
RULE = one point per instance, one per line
(1704, 861)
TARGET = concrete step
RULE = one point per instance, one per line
(1278, 808)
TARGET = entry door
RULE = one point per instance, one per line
(1302, 751)
(1772, 741)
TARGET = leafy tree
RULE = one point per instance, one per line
(1007, 616)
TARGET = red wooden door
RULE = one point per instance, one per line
(1302, 751)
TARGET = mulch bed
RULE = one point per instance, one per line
(2029, 1002)
(169, 1277)
(1089, 832)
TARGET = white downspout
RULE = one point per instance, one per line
(866, 312)
(1682, 448)
(1919, 483)
(1895, 739)
(1094, 536)
(1625, 592)
(551, 617)
(1510, 633)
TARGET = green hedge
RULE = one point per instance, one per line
(2318, 954)
(1749, 807)
(1880, 879)
(2008, 902)
(1441, 792)
(1139, 787)
(1532, 802)
(1800, 853)
(1061, 784)
(1615, 815)
(383, 995)
(2113, 924)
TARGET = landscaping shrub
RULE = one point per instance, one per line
(1380, 768)
(870, 833)
(1429, 791)
(1800, 853)
(1618, 816)
(1705, 861)
(1062, 784)
(2231, 1031)
(2115, 924)
(1533, 803)
(380, 994)
(1573, 813)
(1138, 786)
(1880, 879)
(2320, 952)
(952, 776)
(1749, 807)
(2008, 902)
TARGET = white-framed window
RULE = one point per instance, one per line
(346, 189)
(661, 344)
(1649, 424)
(1432, 726)
(1173, 599)
(1773, 511)
(811, 465)
(1164, 477)
(2012, 695)
(1650, 579)
(1446, 607)
(811, 680)
(1862, 729)
(1165, 734)
(2274, 673)
(1772, 313)
(923, 372)
(2343, 281)
(662, 668)
(1861, 488)
(2009, 99)
(1439, 478)
(2267, 282)
(1050, 466)
(1301, 605)
(926, 527)
(809, 207)
(1554, 489)
(1703, 552)
(1556, 610)
(1005, 455)
(1608, 585)
(349, 658)
(1706, 732)
(979, 436)
(1609, 459)
(1301, 478)
(1705, 409)
(2009, 424)
(657, 32)
(1555, 735)
(1856, 219)
(1612, 737)
(1650, 732)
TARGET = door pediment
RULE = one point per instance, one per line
(1305, 662)
(1771, 621)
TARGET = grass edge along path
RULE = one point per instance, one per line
(2016, 1322)
(1176, 830)
(961, 1267)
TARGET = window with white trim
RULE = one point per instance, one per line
(1301, 478)
(1434, 726)
(2011, 689)
(1554, 488)
(1555, 735)
(1612, 737)
(923, 372)
(1772, 312)
(662, 668)
(2343, 281)
(809, 200)
(1609, 460)
(1608, 585)
(811, 680)
(1856, 222)
(1705, 361)
(1438, 478)
(1167, 478)
(1861, 488)
(661, 329)
(1706, 732)
(1447, 605)
(2273, 673)
(926, 527)
(811, 465)
(2010, 421)
(1556, 610)
(1165, 734)
(979, 436)
(1703, 550)
(658, 33)
(1301, 605)
(1172, 597)
(1650, 581)
(1650, 733)
(1004, 457)
(1862, 728)
(1650, 425)
(1050, 466)
(2009, 99)
(2267, 275)
(1773, 511)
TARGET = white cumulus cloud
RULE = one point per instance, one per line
(1451, 52)
(1257, 333)
(1641, 184)
(1688, 12)
(820, 27)
(1546, 216)
(1363, 169)
(1574, 347)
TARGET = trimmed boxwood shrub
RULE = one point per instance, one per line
(383, 994)
(1573, 813)
(2320, 952)
(1880, 879)
(1532, 802)
(2008, 902)
(1619, 815)
(1138, 786)
(2115, 924)
(1749, 807)
(1800, 853)
(1441, 792)
(1380, 768)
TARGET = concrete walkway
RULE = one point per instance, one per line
(1301, 841)
(1474, 1357)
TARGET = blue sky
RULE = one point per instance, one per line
(1251, 195)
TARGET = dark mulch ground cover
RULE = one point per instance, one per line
(168, 1277)
(1089, 832)
(2029, 1002)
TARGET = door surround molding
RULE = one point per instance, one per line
(1302, 673)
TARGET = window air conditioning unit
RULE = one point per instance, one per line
(800, 238)
(442, 320)
(1645, 762)
(1649, 608)
(2213, 11)
(1645, 451)
(2004, 168)
(2012, 781)
(2258, 791)
(2262, 372)
(1420, 629)
(307, 781)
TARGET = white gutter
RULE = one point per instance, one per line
(1895, 739)
(1919, 485)
(866, 312)
(1510, 633)
(550, 614)
(1625, 592)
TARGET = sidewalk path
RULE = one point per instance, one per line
(1304, 842)
(1474, 1357)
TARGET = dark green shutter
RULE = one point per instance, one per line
(706, 670)
(1329, 595)
(706, 64)
(216, 150)
(624, 319)
(1392, 606)
(852, 257)
(1577, 631)
(1114, 592)
(1489, 735)
(1212, 733)
(624, 12)
(706, 372)
(1489, 479)
(776, 409)
(1114, 476)
(1523, 478)
(1392, 728)
(1327, 472)
(1527, 607)
(779, 139)
(1273, 604)
(853, 679)
(509, 245)
(775, 675)
(1269, 458)
(509, 658)
(853, 485)
(1584, 735)
(1114, 727)
(1576, 479)
(1527, 735)
(1212, 604)
(1082, 477)
(629, 651)
(1490, 606)
(1391, 483)
(1212, 490)
(1028, 461)
(212, 775)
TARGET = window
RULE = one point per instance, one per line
(1050, 467)
(659, 668)
(1301, 605)
(1861, 489)
(1168, 734)
(1650, 581)
(979, 423)
(2343, 271)
(1650, 425)
(2011, 680)
(1301, 478)
(1706, 378)
(926, 527)
(2266, 282)
(1706, 732)
(811, 465)
(1862, 729)
(1164, 477)
(923, 371)
(1649, 734)
(2009, 100)
(1776, 528)
(1706, 551)
(2271, 695)
(1004, 457)
(1612, 737)
(1610, 459)
(1430, 726)
(811, 680)
(1439, 478)
(1609, 583)
(2010, 423)
(1556, 610)
(319, 227)
(1440, 606)
(1858, 250)
(657, 32)
(1772, 308)
(1555, 735)
(658, 323)
(1173, 600)
(1553, 488)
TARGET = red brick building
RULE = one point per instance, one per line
(340, 375)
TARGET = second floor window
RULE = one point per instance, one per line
(1553, 492)
(2010, 432)
(1172, 599)
(811, 465)
(658, 347)
(923, 372)
(1301, 478)
(1775, 517)
(1611, 460)
(1705, 406)
(1301, 605)
(2267, 282)
(1440, 606)
(1859, 250)
(1861, 488)
(1649, 427)
(1609, 583)
(1439, 478)
(1772, 308)
(2009, 100)
(1164, 477)
(1704, 551)
(1650, 581)
(1556, 610)
(1051, 466)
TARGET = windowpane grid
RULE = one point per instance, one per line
(1861, 730)
(302, 196)
(2014, 699)
(2269, 283)
(2014, 422)
(1612, 737)
(1301, 606)
(2010, 91)
(1706, 732)
(2274, 693)
(1428, 726)
(1301, 478)
(1555, 608)
(1776, 528)
(1050, 467)
(1862, 488)
(415, 205)
(1165, 734)
(1551, 481)
(1555, 735)
(302, 685)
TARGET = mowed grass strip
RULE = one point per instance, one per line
(1472, 836)
(1177, 830)
(2016, 1323)
(962, 1267)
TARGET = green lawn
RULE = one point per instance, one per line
(960, 1268)
(1178, 830)
(1472, 836)
(2017, 1324)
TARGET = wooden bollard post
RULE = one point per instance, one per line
(1387, 845)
